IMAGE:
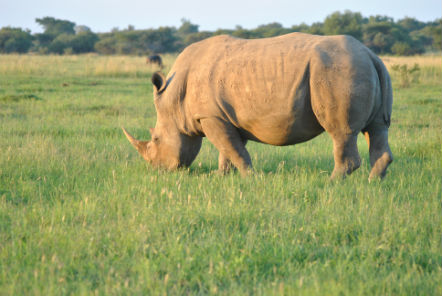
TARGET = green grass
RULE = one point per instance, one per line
(82, 213)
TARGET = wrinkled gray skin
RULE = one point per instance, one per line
(279, 91)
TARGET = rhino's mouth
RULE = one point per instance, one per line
(156, 161)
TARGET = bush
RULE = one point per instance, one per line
(61, 43)
(106, 45)
(84, 42)
(349, 23)
(380, 33)
(401, 48)
(14, 40)
(406, 75)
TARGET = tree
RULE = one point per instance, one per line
(106, 45)
(316, 28)
(240, 32)
(43, 40)
(411, 24)
(139, 42)
(82, 29)
(384, 36)
(56, 27)
(349, 23)
(304, 28)
(434, 30)
(61, 44)
(195, 37)
(380, 19)
(84, 42)
(270, 30)
(14, 40)
(50, 40)
(187, 28)
(161, 40)
(378, 35)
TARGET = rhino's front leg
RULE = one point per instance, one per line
(224, 163)
(227, 140)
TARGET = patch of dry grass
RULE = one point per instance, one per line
(430, 66)
(81, 65)
(423, 61)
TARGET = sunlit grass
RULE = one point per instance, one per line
(82, 213)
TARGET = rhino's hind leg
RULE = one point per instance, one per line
(227, 140)
(346, 155)
(380, 153)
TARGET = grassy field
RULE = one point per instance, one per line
(81, 212)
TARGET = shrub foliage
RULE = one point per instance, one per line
(382, 34)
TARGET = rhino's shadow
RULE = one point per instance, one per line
(277, 164)
(273, 160)
(295, 162)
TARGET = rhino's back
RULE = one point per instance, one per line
(262, 86)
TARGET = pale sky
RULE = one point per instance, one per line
(103, 15)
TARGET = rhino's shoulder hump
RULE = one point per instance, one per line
(212, 41)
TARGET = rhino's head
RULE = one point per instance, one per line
(168, 148)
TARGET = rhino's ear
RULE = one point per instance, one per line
(159, 81)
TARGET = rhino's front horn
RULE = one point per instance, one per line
(141, 146)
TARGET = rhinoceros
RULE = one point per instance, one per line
(279, 91)
(154, 60)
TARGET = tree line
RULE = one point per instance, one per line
(384, 35)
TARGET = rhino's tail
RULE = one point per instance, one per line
(386, 88)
